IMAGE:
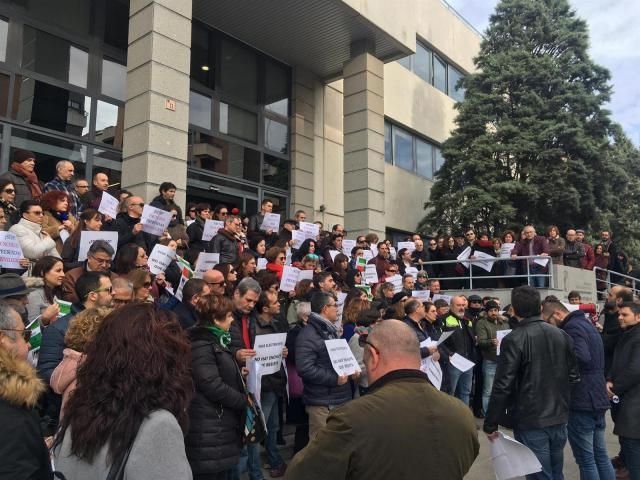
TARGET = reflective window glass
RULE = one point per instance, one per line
(275, 172)
(424, 158)
(51, 107)
(4, 94)
(74, 16)
(199, 110)
(217, 155)
(406, 62)
(422, 63)
(238, 122)
(4, 31)
(403, 149)
(238, 72)
(54, 57)
(109, 162)
(276, 88)
(202, 55)
(276, 135)
(454, 76)
(114, 79)
(439, 74)
(439, 158)
(109, 124)
(388, 152)
(116, 23)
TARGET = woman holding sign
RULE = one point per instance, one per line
(46, 283)
(91, 221)
(57, 222)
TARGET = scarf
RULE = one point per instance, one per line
(30, 177)
(221, 334)
(276, 268)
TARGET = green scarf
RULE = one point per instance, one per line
(222, 335)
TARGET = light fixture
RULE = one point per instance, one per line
(205, 68)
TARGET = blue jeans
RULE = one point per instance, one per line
(269, 403)
(460, 383)
(586, 437)
(547, 444)
(631, 452)
(249, 461)
(488, 373)
(535, 280)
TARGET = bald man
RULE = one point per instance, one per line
(402, 427)
(215, 280)
(63, 181)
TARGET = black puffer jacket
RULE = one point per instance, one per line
(315, 368)
(536, 369)
(624, 374)
(216, 414)
(195, 232)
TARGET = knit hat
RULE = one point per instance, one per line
(399, 296)
(491, 304)
(20, 156)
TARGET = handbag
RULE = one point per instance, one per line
(255, 426)
(116, 472)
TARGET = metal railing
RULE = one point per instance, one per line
(529, 275)
(628, 281)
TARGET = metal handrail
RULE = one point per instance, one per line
(496, 259)
(608, 281)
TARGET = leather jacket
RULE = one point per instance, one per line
(535, 372)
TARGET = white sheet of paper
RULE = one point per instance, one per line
(305, 275)
(464, 255)
(271, 221)
(347, 246)
(261, 264)
(310, 230)
(432, 369)
(340, 303)
(487, 261)
(422, 295)
(87, 237)
(541, 261)
(392, 253)
(460, 362)
(108, 205)
(444, 337)
(160, 258)
(289, 255)
(408, 245)
(64, 235)
(512, 459)
(397, 282)
(211, 228)
(571, 307)
(367, 255)
(297, 237)
(413, 271)
(154, 220)
(333, 254)
(505, 249)
(374, 250)
(10, 250)
(342, 359)
(254, 378)
(269, 351)
(440, 296)
(370, 274)
(289, 278)
(178, 292)
(500, 334)
(205, 261)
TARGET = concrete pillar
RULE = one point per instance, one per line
(302, 137)
(157, 106)
(364, 143)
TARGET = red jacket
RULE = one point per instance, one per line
(589, 259)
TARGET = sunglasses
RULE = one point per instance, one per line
(138, 204)
(82, 186)
(37, 212)
(146, 284)
(174, 216)
(26, 334)
(9, 190)
(393, 270)
(362, 341)
(216, 283)
(282, 258)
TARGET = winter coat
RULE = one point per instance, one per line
(227, 245)
(51, 225)
(37, 298)
(66, 186)
(216, 414)
(22, 449)
(34, 245)
(590, 393)
(123, 224)
(167, 205)
(63, 378)
(381, 265)
(23, 189)
(69, 255)
(195, 232)
(362, 438)
(589, 260)
(487, 330)
(314, 365)
(187, 315)
(420, 333)
(521, 249)
(625, 372)
(92, 198)
(573, 254)
(556, 249)
(448, 270)
(462, 341)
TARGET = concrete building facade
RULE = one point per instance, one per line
(335, 107)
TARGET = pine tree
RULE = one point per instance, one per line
(531, 142)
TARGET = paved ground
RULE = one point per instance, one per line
(482, 468)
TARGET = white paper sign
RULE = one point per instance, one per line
(271, 221)
(108, 205)
(511, 459)
(254, 378)
(464, 255)
(571, 307)
(411, 246)
(432, 368)
(413, 271)
(342, 359)
(289, 278)
(64, 235)
(370, 274)
(160, 258)
(500, 334)
(305, 275)
(297, 237)
(154, 220)
(460, 362)
(310, 230)
(205, 261)
(422, 295)
(340, 304)
(333, 253)
(505, 249)
(374, 250)
(367, 255)
(269, 351)
(261, 264)
(211, 228)
(347, 246)
(88, 237)
(439, 296)
(541, 261)
(444, 336)
(392, 253)
(486, 261)
(397, 282)
(10, 251)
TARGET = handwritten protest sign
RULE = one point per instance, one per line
(10, 250)
(422, 295)
(347, 246)
(464, 255)
(160, 258)
(271, 221)
(505, 249)
(305, 275)
(342, 359)
(439, 296)
(211, 228)
(205, 261)
(269, 351)
(310, 230)
(88, 237)
(370, 274)
(397, 282)
(408, 245)
(154, 220)
(413, 271)
(108, 205)
(367, 255)
(297, 237)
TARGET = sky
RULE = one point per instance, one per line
(615, 44)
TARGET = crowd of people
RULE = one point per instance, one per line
(110, 371)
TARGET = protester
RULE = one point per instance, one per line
(129, 227)
(353, 307)
(556, 245)
(230, 276)
(588, 261)
(48, 275)
(227, 241)
(257, 245)
(23, 176)
(63, 182)
(57, 222)
(90, 220)
(609, 247)
(7, 201)
(443, 436)
(121, 292)
(14, 293)
(93, 197)
(573, 250)
(142, 283)
(128, 258)
(165, 201)
(531, 245)
(255, 222)
(611, 329)
(178, 231)
(381, 261)
(196, 229)
(367, 319)
(143, 398)
(99, 258)
(34, 242)
(449, 252)
(246, 266)
(462, 342)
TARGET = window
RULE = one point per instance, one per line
(276, 135)
(202, 55)
(199, 110)
(422, 63)
(238, 122)
(210, 153)
(276, 88)
(439, 74)
(411, 152)
(454, 77)
(109, 124)
(4, 94)
(114, 79)
(109, 162)
(406, 62)
(275, 172)
(4, 31)
(238, 72)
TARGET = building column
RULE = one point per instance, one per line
(157, 106)
(302, 148)
(364, 143)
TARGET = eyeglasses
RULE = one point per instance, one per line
(36, 212)
(137, 204)
(470, 234)
(223, 214)
(331, 305)
(174, 216)
(120, 301)
(101, 261)
(103, 289)
(192, 210)
(392, 270)
(432, 244)
(26, 333)
(362, 341)
(282, 258)
(82, 186)
(222, 284)
(9, 190)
